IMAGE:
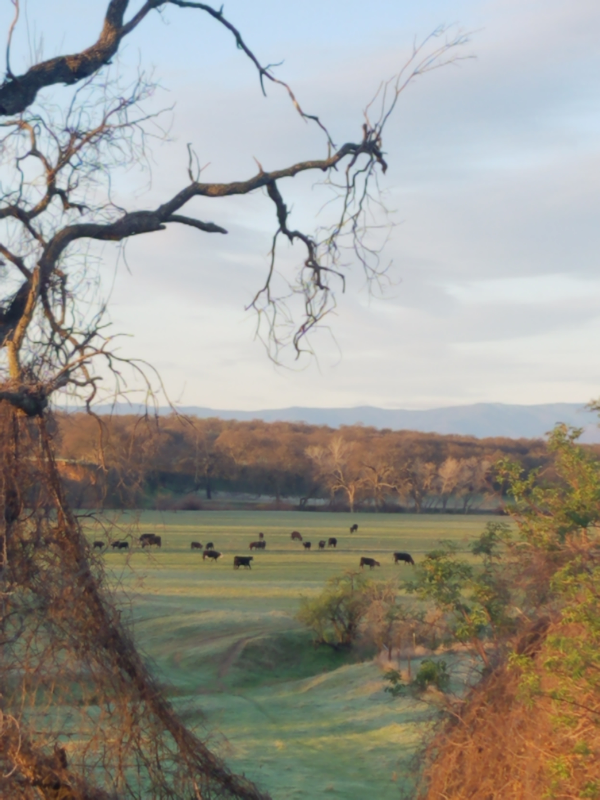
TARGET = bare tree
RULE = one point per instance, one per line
(380, 481)
(64, 647)
(417, 478)
(448, 478)
(339, 467)
(473, 480)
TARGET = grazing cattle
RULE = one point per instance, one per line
(242, 561)
(306, 545)
(403, 557)
(209, 546)
(261, 536)
(213, 554)
(98, 544)
(296, 536)
(196, 545)
(151, 539)
(332, 542)
(353, 528)
(258, 545)
(368, 562)
(119, 545)
(322, 544)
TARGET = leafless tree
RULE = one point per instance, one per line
(338, 466)
(416, 480)
(447, 479)
(380, 481)
(111, 732)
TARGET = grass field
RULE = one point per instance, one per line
(303, 723)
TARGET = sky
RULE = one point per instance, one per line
(493, 188)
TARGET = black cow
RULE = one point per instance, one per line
(368, 562)
(214, 554)
(242, 561)
(306, 545)
(146, 537)
(332, 542)
(209, 546)
(258, 545)
(196, 546)
(403, 557)
(322, 544)
(296, 536)
(149, 539)
(353, 528)
(99, 544)
(119, 545)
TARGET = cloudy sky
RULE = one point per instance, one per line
(493, 182)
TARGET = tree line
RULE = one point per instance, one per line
(181, 462)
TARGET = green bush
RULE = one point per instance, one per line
(396, 687)
(432, 673)
(335, 615)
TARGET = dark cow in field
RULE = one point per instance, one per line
(118, 545)
(403, 557)
(260, 545)
(196, 546)
(332, 542)
(368, 562)
(306, 545)
(149, 539)
(146, 537)
(212, 554)
(99, 544)
(242, 561)
(209, 546)
(322, 544)
(261, 536)
(353, 528)
(296, 536)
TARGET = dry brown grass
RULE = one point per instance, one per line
(518, 735)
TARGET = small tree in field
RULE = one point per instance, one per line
(110, 732)
(335, 615)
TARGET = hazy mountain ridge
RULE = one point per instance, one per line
(479, 419)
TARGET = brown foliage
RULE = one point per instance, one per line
(354, 466)
(503, 744)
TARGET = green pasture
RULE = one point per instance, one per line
(302, 722)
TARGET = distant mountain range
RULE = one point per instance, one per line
(479, 419)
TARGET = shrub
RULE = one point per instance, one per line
(335, 615)
(432, 673)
